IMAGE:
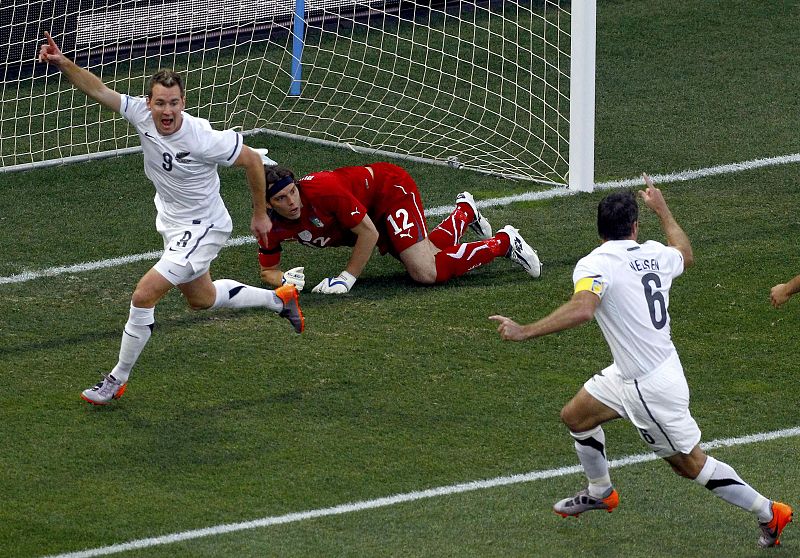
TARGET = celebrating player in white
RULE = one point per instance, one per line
(181, 155)
(625, 285)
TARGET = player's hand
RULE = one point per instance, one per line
(262, 152)
(260, 225)
(652, 196)
(294, 276)
(50, 52)
(778, 295)
(508, 328)
(340, 284)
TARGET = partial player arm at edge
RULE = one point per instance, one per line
(781, 293)
(577, 311)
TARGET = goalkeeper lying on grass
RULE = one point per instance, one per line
(377, 205)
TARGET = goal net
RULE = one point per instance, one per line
(474, 84)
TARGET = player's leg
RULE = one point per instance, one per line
(400, 220)
(584, 416)
(724, 482)
(465, 214)
(419, 259)
(135, 335)
(454, 261)
(427, 264)
(659, 405)
(203, 293)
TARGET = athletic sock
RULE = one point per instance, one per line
(449, 231)
(722, 480)
(454, 261)
(591, 449)
(134, 337)
(232, 294)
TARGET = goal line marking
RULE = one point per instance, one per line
(403, 498)
(432, 212)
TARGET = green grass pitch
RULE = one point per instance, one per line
(397, 388)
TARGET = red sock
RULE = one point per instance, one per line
(451, 229)
(455, 261)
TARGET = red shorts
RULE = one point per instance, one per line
(398, 213)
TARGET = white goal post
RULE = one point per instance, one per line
(502, 87)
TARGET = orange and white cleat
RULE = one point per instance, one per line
(104, 391)
(291, 306)
(771, 532)
(583, 502)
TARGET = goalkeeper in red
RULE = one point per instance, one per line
(377, 205)
(626, 286)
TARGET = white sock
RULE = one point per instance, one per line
(722, 480)
(591, 449)
(232, 294)
(134, 337)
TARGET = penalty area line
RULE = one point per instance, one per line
(403, 498)
(437, 211)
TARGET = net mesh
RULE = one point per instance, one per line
(476, 85)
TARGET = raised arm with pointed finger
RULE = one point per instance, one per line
(676, 237)
(81, 78)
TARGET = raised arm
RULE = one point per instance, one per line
(676, 237)
(82, 79)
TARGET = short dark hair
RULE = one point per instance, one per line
(616, 214)
(277, 178)
(167, 78)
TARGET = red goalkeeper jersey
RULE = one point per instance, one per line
(336, 201)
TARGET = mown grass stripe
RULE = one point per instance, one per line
(403, 498)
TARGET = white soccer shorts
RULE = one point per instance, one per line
(657, 405)
(189, 251)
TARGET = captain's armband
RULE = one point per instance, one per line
(591, 284)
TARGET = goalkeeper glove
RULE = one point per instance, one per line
(295, 276)
(265, 159)
(340, 284)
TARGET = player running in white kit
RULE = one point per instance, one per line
(181, 156)
(625, 285)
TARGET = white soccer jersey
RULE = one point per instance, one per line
(183, 165)
(633, 282)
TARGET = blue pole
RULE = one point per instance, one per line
(299, 31)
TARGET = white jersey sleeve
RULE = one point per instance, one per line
(633, 282)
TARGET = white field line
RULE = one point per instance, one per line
(402, 498)
(435, 211)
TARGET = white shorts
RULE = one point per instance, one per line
(189, 251)
(657, 405)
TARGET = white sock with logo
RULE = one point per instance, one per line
(232, 294)
(722, 480)
(591, 449)
(134, 337)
